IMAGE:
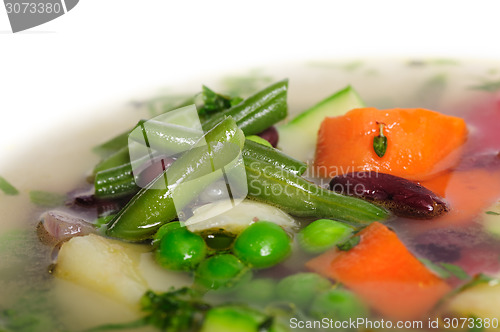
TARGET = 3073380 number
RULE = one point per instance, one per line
(455, 323)
(33, 8)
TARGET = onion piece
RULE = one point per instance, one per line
(235, 220)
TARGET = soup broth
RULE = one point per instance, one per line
(32, 299)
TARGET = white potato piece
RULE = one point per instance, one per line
(482, 300)
(104, 265)
(491, 220)
(237, 218)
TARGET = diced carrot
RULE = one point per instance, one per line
(420, 143)
(384, 273)
(467, 192)
(438, 184)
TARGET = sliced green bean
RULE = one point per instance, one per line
(273, 156)
(299, 197)
(154, 205)
(257, 112)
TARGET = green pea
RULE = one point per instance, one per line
(181, 250)
(160, 233)
(262, 244)
(323, 234)
(257, 291)
(301, 288)
(339, 304)
(238, 318)
(221, 271)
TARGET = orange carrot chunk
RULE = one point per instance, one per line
(384, 273)
(420, 142)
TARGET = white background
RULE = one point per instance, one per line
(103, 50)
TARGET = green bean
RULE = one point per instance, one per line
(120, 181)
(257, 112)
(273, 156)
(154, 205)
(299, 197)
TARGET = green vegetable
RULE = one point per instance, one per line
(221, 271)
(323, 234)
(349, 244)
(338, 304)
(262, 244)
(234, 318)
(273, 156)
(114, 144)
(116, 182)
(380, 141)
(116, 159)
(299, 197)
(164, 230)
(257, 112)
(154, 205)
(301, 288)
(7, 188)
(120, 181)
(492, 213)
(214, 102)
(298, 137)
(260, 140)
(445, 270)
(258, 291)
(181, 250)
(47, 199)
(455, 270)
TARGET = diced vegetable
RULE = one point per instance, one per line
(323, 234)
(401, 196)
(339, 304)
(262, 245)
(468, 192)
(421, 143)
(260, 140)
(107, 266)
(299, 197)
(154, 206)
(479, 300)
(491, 219)
(221, 271)
(257, 112)
(298, 137)
(384, 274)
(236, 219)
(237, 318)
(273, 156)
(181, 250)
(257, 291)
(301, 288)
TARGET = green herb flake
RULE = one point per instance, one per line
(349, 244)
(488, 86)
(455, 270)
(439, 270)
(477, 280)
(492, 213)
(46, 199)
(380, 141)
(7, 188)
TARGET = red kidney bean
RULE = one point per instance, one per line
(403, 197)
(271, 135)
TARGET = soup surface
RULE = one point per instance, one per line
(457, 247)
